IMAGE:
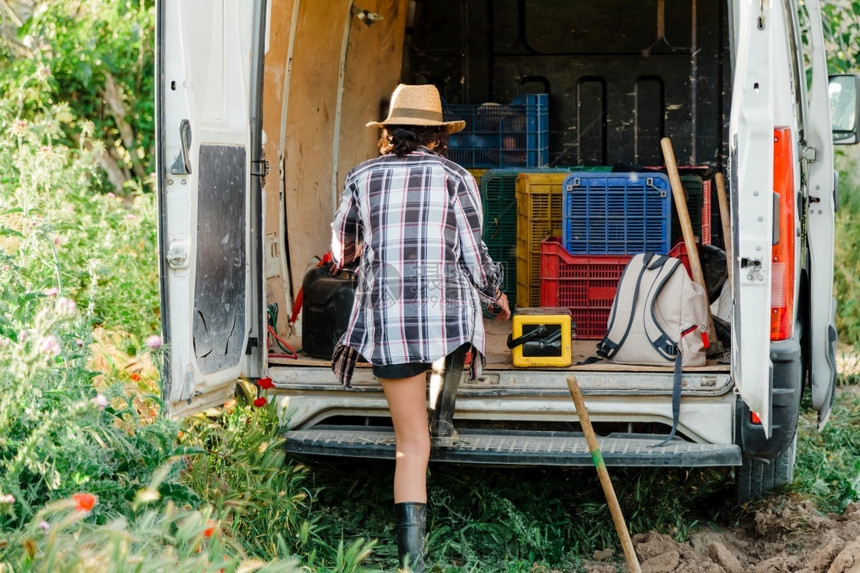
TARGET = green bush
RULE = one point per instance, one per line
(847, 255)
(97, 57)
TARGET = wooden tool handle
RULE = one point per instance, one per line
(689, 238)
(683, 212)
(725, 218)
(605, 482)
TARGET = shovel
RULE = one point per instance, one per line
(605, 482)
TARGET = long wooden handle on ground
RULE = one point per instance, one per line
(725, 219)
(605, 482)
(689, 236)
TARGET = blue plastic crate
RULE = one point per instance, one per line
(616, 213)
(501, 135)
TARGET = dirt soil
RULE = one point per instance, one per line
(786, 536)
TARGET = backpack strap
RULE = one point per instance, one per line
(665, 343)
(621, 316)
(676, 402)
(662, 341)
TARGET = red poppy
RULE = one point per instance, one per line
(260, 402)
(265, 383)
(210, 528)
(84, 501)
(135, 377)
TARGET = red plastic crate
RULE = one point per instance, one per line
(585, 284)
(679, 251)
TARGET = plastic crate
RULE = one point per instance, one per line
(679, 251)
(498, 195)
(586, 284)
(617, 213)
(477, 174)
(497, 135)
(539, 209)
(698, 195)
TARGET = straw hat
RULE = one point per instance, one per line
(417, 105)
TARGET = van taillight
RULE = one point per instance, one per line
(755, 418)
(782, 264)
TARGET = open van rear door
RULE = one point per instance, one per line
(751, 178)
(821, 205)
(209, 55)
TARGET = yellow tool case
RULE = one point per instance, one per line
(541, 337)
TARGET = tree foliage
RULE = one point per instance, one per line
(98, 57)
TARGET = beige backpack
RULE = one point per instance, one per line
(659, 317)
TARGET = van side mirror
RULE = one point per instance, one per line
(845, 108)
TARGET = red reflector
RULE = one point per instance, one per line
(755, 419)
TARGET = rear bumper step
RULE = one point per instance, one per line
(498, 447)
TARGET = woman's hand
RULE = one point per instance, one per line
(504, 309)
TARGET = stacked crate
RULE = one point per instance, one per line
(606, 219)
(498, 195)
(584, 284)
(697, 192)
(617, 213)
(501, 220)
(539, 215)
(501, 135)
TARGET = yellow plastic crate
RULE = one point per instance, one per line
(477, 174)
(539, 215)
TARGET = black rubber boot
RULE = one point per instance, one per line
(442, 431)
(411, 518)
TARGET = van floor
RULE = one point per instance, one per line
(499, 356)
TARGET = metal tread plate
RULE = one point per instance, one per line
(500, 447)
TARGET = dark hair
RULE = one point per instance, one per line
(404, 139)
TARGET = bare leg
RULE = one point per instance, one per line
(408, 406)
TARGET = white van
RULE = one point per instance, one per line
(261, 106)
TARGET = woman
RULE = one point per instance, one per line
(413, 219)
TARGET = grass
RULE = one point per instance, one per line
(490, 519)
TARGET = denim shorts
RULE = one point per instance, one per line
(410, 369)
(407, 370)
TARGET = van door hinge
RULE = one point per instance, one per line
(253, 343)
(260, 167)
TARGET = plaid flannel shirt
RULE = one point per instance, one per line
(414, 223)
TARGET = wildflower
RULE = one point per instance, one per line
(153, 342)
(49, 345)
(66, 306)
(111, 195)
(265, 383)
(53, 291)
(60, 241)
(135, 377)
(84, 501)
(44, 526)
(210, 528)
(260, 402)
(79, 343)
(8, 498)
(100, 401)
(130, 217)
